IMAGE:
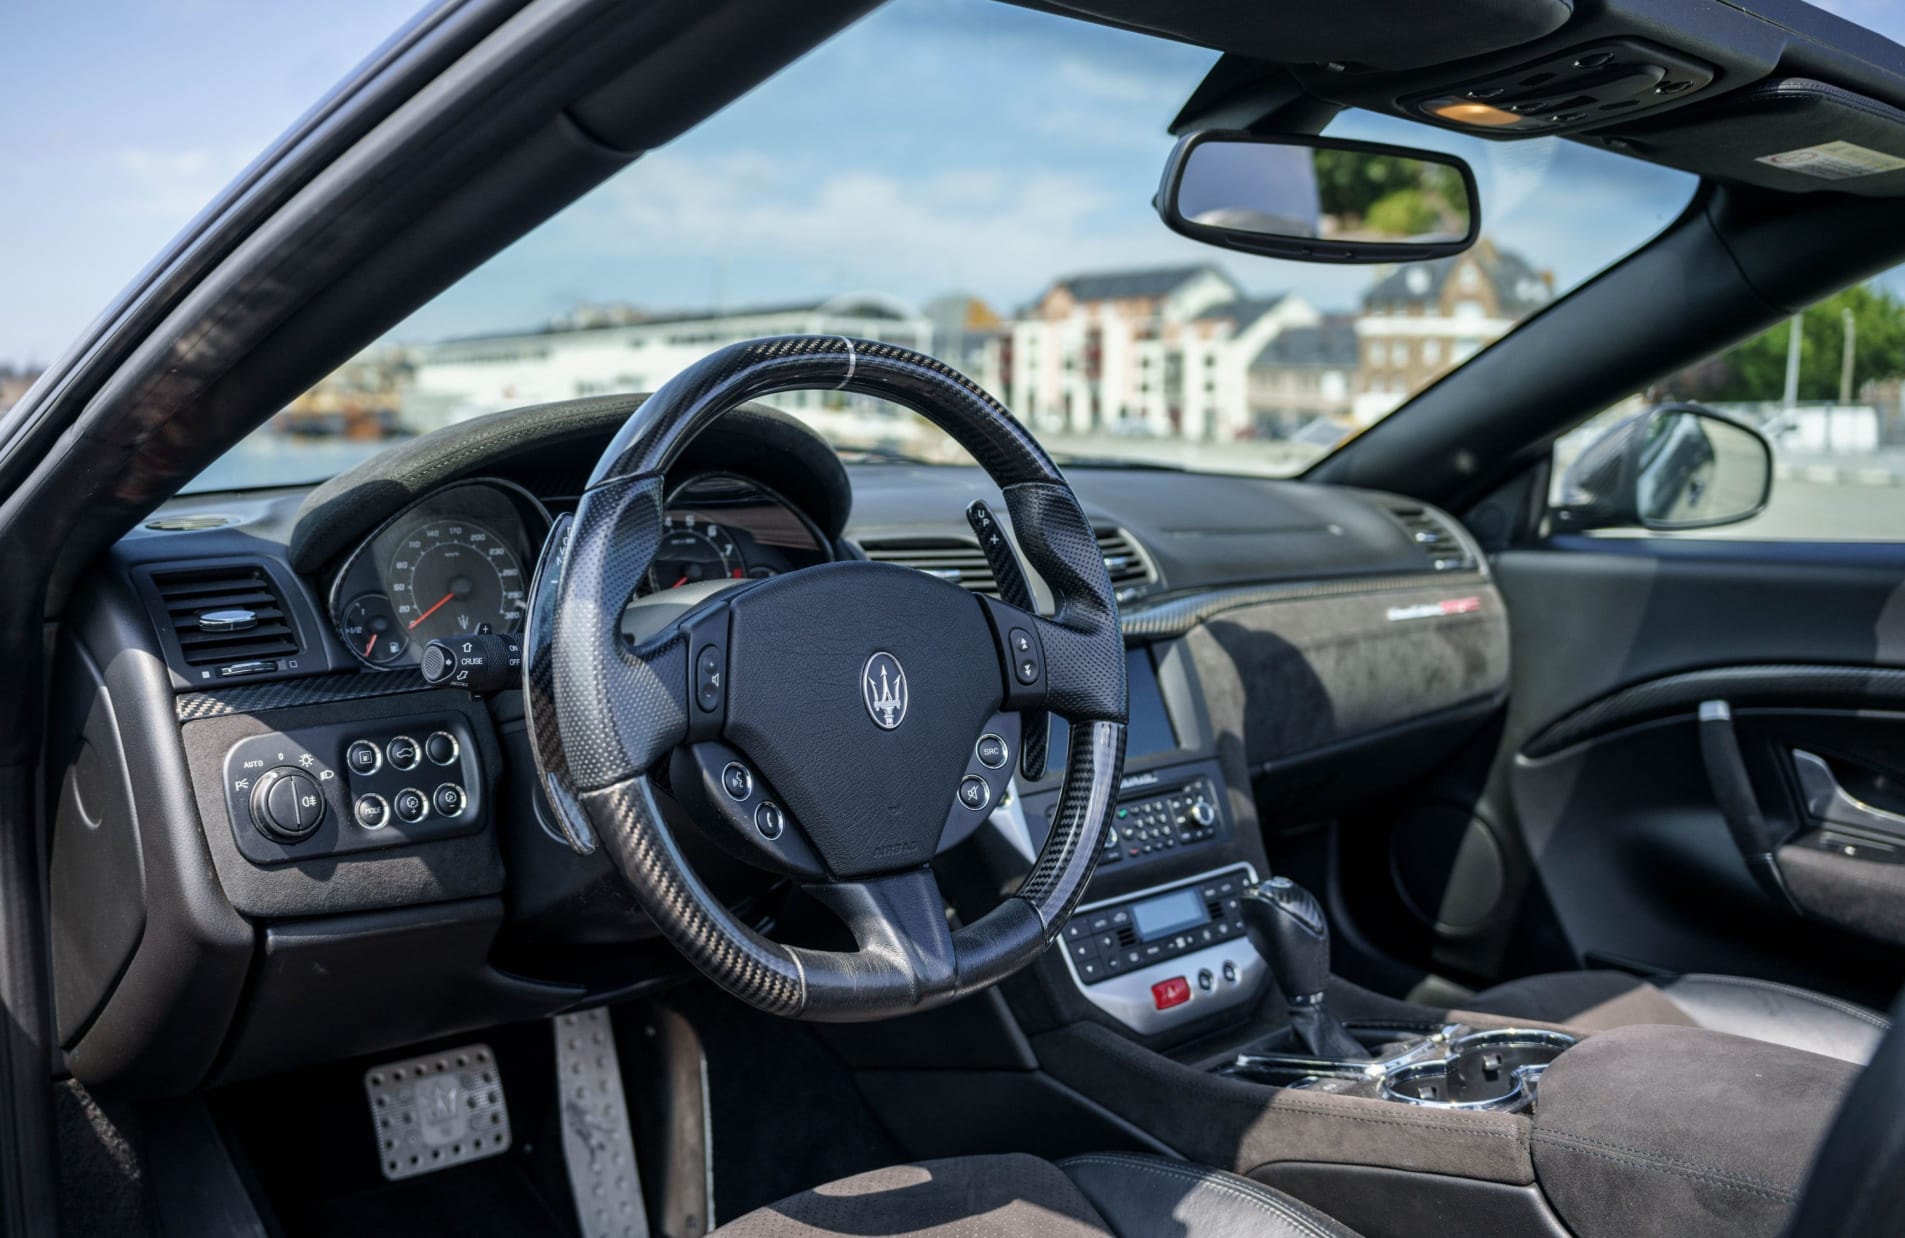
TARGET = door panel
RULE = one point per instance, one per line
(1601, 786)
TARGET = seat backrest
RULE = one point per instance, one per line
(1857, 1185)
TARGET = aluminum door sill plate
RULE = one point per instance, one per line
(437, 1110)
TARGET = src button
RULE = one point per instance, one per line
(991, 751)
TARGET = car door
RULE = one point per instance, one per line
(1681, 706)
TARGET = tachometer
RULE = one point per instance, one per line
(692, 551)
(453, 576)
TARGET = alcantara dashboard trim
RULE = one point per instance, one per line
(1174, 616)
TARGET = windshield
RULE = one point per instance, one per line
(973, 180)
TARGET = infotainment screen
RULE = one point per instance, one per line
(1166, 914)
(1149, 731)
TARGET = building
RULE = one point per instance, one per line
(1424, 319)
(607, 349)
(1166, 351)
(1303, 374)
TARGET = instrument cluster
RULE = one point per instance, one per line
(460, 559)
(457, 561)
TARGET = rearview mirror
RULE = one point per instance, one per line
(1318, 199)
(1678, 466)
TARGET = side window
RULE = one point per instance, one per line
(1834, 421)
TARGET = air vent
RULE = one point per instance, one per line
(963, 563)
(188, 524)
(1438, 541)
(230, 613)
(1130, 570)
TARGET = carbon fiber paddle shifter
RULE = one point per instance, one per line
(1287, 925)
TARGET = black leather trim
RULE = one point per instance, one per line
(1859, 687)
(1780, 1014)
(1142, 1196)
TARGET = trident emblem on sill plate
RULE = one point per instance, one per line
(883, 684)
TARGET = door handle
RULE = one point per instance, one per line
(1826, 800)
(1733, 792)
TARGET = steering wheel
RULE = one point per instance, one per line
(833, 724)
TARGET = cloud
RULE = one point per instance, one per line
(861, 227)
(1107, 83)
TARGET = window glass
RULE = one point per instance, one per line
(1835, 419)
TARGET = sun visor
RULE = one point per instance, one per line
(1792, 134)
(1374, 34)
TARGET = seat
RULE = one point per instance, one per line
(1760, 1009)
(1113, 1193)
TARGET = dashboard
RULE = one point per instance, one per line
(304, 851)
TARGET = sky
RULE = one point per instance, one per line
(936, 146)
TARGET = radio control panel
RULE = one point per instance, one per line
(1158, 813)
(1166, 955)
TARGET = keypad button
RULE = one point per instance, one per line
(402, 752)
(371, 811)
(441, 747)
(769, 820)
(974, 793)
(410, 805)
(737, 781)
(448, 800)
(991, 751)
(363, 757)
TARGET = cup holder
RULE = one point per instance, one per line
(1496, 1069)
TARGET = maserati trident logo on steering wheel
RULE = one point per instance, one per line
(883, 684)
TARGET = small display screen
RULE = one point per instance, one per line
(1149, 730)
(1162, 916)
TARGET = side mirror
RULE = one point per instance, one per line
(1318, 199)
(1678, 466)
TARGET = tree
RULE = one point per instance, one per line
(1388, 192)
(1756, 369)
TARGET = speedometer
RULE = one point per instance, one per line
(452, 576)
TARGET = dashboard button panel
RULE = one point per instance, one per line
(309, 792)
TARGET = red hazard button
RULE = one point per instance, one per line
(1173, 992)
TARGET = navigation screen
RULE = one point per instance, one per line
(1160, 917)
(1149, 731)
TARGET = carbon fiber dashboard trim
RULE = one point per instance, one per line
(1779, 684)
(289, 693)
(1175, 616)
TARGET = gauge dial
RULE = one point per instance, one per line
(693, 551)
(452, 576)
(371, 629)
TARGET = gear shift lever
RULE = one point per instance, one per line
(1287, 926)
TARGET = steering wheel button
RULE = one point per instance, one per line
(411, 805)
(372, 811)
(769, 821)
(1025, 656)
(737, 782)
(974, 793)
(441, 747)
(710, 679)
(403, 752)
(991, 751)
(363, 757)
(448, 800)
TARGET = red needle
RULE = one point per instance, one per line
(372, 645)
(679, 583)
(433, 610)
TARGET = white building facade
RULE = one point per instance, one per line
(458, 379)
(1164, 352)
